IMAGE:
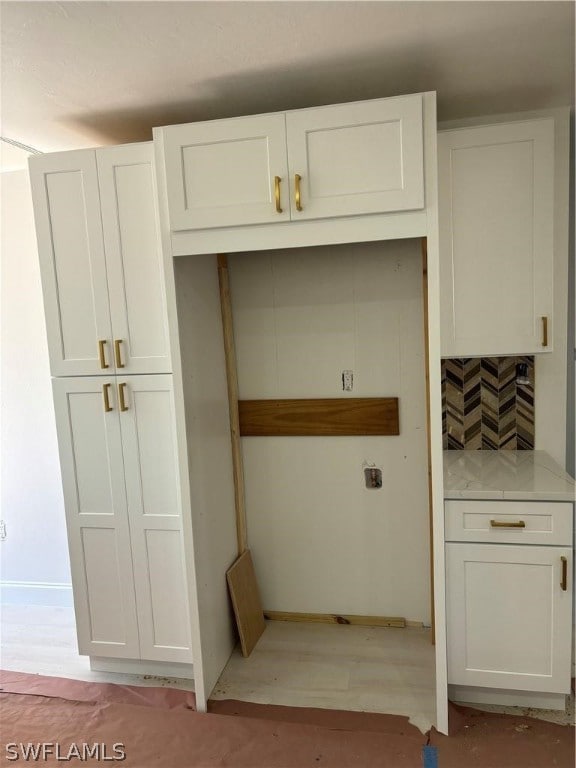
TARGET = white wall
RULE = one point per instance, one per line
(571, 433)
(35, 566)
(321, 541)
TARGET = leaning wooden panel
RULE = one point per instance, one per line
(246, 602)
(325, 416)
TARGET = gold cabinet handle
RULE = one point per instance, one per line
(102, 353)
(121, 396)
(118, 354)
(503, 524)
(297, 196)
(277, 181)
(544, 331)
(564, 582)
(106, 396)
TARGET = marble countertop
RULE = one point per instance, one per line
(505, 475)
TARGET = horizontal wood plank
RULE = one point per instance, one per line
(322, 416)
(332, 618)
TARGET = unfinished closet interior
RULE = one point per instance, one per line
(338, 525)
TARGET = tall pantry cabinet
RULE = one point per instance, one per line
(106, 317)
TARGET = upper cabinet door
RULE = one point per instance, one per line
(365, 157)
(226, 172)
(496, 197)
(69, 233)
(133, 259)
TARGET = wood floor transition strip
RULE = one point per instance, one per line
(332, 618)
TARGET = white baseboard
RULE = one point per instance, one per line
(138, 667)
(463, 694)
(36, 593)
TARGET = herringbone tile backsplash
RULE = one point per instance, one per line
(483, 407)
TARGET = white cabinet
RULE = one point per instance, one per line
(103, 283)
(496, 198)
(223, 173)
(100, 259)
(365, 157)
(154, 511)
(119, 468)
(509, 605)
(342, 160)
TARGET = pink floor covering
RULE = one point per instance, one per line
(159, 727)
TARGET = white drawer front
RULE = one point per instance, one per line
(509, 522)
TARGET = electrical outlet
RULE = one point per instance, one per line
(347, 380)
(2, 530)
(373, 477)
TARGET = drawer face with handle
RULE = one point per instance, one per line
(509, 522)
(509, 612)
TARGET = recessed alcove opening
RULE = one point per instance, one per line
(323, 543)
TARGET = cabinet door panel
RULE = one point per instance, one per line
(221, 173)
(69, 233)
(357, 158)
(96, 517)
(102, 577)
(496, 237)
(134, 257)
(167, 631)
(508, 617)
(155, 518)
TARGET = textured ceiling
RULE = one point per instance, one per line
(78, 74)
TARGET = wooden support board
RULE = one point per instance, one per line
(331, 618)
(232, 379)
(246, 602)
(241, 577)
(324, 416)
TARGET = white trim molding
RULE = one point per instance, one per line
(142, 667)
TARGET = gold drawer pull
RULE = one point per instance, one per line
(121, 396)
(277, 181)
(118, 353)
(564, 582)
(105, 394)
(502, 524)
(102, 353)
(297, 195)
(544, 331)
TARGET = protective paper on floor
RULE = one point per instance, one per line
(167, 734)
(81, 690)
